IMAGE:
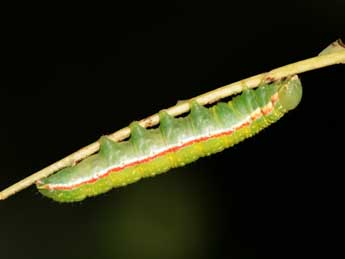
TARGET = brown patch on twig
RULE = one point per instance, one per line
(341, 43)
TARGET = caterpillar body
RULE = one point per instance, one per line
(176, 142)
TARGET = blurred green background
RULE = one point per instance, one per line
(73, 73)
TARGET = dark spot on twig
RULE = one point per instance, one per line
(269, 79)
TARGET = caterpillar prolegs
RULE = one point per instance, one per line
(176, 142)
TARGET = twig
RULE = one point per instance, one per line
(327, 59)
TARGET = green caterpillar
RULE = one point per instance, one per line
(177, 141)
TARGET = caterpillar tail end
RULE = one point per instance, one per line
(40, 185)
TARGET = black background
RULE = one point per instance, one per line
(73, 73)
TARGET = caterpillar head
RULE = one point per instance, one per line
(290, 93)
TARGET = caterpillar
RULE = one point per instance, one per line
(176, 142)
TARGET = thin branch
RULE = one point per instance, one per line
(328, 59)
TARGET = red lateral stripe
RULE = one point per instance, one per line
(263, 111)
(119, 168)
